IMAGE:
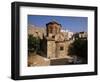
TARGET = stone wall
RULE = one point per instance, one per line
(62, 49)
(57, 49)
(51, 46)
(37, 60)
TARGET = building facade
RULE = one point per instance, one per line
(55, 44)
(81, 35)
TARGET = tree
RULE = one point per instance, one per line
(79, 48)
(33, 43)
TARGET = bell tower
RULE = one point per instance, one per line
(53, 28)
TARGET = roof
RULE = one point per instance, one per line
(53, 22)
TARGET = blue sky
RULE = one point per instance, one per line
(74, 24)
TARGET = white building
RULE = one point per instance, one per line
(68, 34)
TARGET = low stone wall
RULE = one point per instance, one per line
(62, 61)
(37, 60)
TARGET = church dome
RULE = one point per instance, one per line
(53, 27)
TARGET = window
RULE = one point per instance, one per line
(53, 36)
(61, 48)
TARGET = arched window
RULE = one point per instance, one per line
(61, 48)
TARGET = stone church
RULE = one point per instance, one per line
(55, 45)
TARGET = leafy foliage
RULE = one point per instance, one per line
(79, 48)
(33, 43)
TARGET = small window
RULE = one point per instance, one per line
(53, 36)
(61, 48)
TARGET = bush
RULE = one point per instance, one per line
(33, 43)
(79, 48)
